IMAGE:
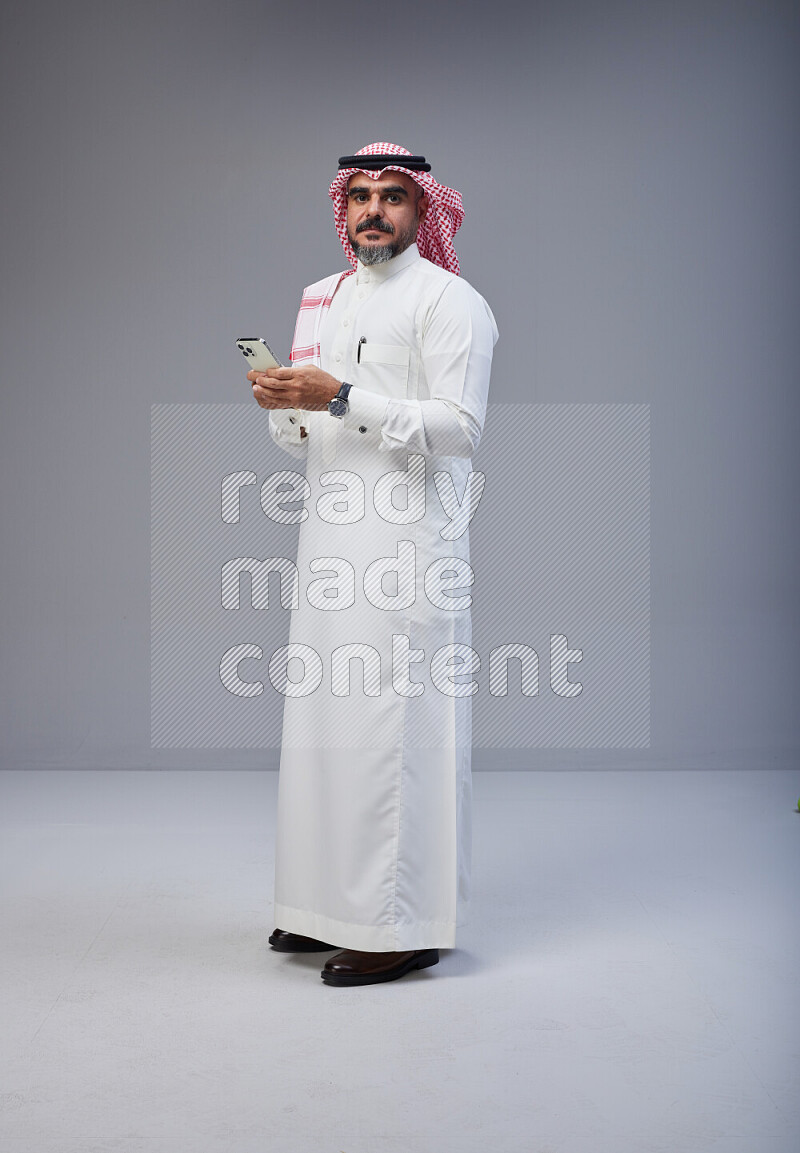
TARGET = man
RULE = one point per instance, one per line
(386, 400)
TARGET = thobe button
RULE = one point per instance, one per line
(362, 428)
(338, 356)
(345, 322)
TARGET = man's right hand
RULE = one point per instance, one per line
(306, 387)
(265, 398)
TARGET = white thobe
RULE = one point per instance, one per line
(373, 841)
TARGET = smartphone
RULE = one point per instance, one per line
(260, 356)
(258, 353)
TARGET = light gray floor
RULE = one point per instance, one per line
(627, 984)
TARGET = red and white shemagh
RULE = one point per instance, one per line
(315, 303)
(445, 210)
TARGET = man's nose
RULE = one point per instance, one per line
(375, 208)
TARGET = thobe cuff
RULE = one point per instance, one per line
(365, 415)
(284, 426)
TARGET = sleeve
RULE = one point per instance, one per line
(457, 342)
(284, 427)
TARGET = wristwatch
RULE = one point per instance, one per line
(340, 404)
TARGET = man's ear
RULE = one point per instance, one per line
(422, 207)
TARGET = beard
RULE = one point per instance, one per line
(379, 253)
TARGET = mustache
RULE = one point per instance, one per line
(376, 225)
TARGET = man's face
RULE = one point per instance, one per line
(383, 215)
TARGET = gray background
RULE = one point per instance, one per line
(630, 176)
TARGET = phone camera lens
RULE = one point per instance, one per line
(241, 346)
(250, 352)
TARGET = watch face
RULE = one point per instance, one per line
(337, 407)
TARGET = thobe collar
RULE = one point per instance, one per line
(377, 273)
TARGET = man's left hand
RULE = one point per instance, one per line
(305, 386)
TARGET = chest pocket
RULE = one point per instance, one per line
(384, 368)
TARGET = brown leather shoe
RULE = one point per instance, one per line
(351, 967)
(284, 942)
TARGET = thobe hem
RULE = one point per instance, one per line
(371, 938)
